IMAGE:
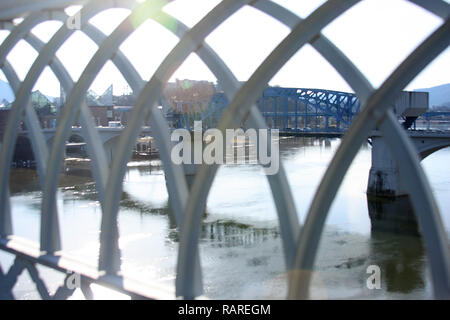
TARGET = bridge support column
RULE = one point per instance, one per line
(110, 149)
(384, 178)
(392, 215)
(390, 209)
(191, 169)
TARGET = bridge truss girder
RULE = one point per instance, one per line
(307, 104)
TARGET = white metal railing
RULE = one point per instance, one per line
(300, 244)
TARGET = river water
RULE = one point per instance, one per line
(240, 247)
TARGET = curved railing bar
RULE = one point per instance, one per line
(275, 187)
(190, 41)
(430, 222)
(278, 182)
(119, 59)
(36, 138)
(280, 188)
(5, 216)
(261, 1)
(10, 133)
(104, 53)
(6, 228)
(345, 67)
(67, 83)
(11, 75)
(355, 77)
(438, 7)
(136, 83)
(15, 115)
(114, 184)
(275, 181)
(8, 11)
(95, 147)
(288, 225)
(237, 110)
(39, 145)
(283, 204)
(355, 136)
(19, 32)
(98, 159)
(348, 71)
(45, 58)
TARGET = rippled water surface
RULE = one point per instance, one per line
(240, 247)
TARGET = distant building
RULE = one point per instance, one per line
(48, 122)
(102, 115)
(122, 114)
(45, 110)
(187, 95)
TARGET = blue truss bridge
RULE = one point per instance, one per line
(300, 110)
(291, 110)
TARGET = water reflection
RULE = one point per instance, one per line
(218, 233)
(393, 244)
(291, 145)
(240, 245)
(396, 245)
(24, 180)
(229, 233)
(401, 259)
(393, 215)
(222, 233)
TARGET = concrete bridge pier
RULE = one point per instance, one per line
(392, 215)
(190, 169)
(388, 202)
(384, 176)
(389, 205)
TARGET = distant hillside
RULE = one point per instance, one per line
(92, 98)
(5, 92)
(439, 95)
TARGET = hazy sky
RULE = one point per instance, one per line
(375, 34)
